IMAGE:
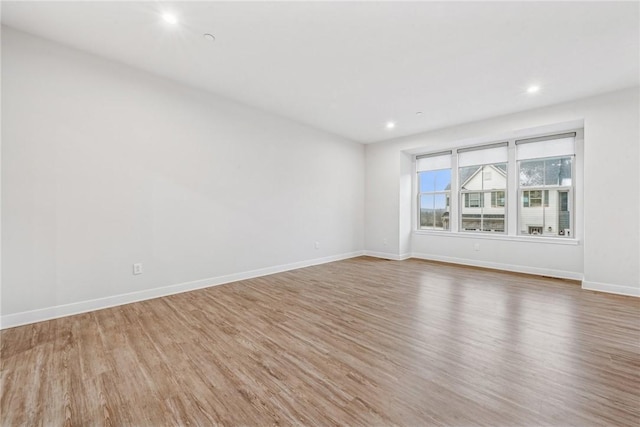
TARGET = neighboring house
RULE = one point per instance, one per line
(541, 211)
(545, 212)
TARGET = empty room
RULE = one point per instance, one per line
(320, 213)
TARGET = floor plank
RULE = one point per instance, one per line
(357, 342)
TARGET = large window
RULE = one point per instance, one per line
(546, 188)
(519, 187)
(434, 189)
(482, 182)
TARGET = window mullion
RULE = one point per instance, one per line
(454, 197)
(511, 192)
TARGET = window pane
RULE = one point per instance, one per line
(494, 177)
(531, 173)
(476, 200)
(427, 211)
(565, 171)
(551, 218)
(558, 171)
(483, 211)
(440, 209)
(497, 199)
(487, 177)
(552, 172)
(443, 180)
(493, 222)
(427, 181)
(467, 181)
(564, 216)
(532, 214)
(471, 222)
(535, 198)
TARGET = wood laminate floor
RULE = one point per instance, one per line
(358, 342)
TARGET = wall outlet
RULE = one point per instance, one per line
(317, 245)
(476, 246)
(384, 242)
(137, 268)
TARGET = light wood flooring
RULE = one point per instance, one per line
(364, 342)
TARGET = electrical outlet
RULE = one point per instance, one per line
(476, 246)
(137, 268)
(384, 242)
(317, 245)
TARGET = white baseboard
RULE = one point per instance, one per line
(48, 313)
(385, 255)
(561, 274)
(33, 316)
(611, 289)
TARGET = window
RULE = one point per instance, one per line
(545, 184)
(497, 199)
(473, 200)
(468, 189)
(482, 184)
(534, 198)
(434, 189)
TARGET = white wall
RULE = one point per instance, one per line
(608, 255)
(104, 166)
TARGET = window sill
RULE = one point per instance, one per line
(472, 235)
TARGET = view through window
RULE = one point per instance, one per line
(543, 188)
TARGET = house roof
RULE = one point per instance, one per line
(500, 168)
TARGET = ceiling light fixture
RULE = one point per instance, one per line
(169, 18)
(533, 89)
(418, 113)
(209, 37)
(390, 125)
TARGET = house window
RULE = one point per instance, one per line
(482, 184)
(546, 185)
(497, 199)
(473, 200)
(434, 189)
(535, 198)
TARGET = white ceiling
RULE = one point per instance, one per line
(348, 68)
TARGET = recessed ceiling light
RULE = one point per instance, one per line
(169, 18)
(418, 113)
(209, 37)
(390, 125)
(533, 89)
